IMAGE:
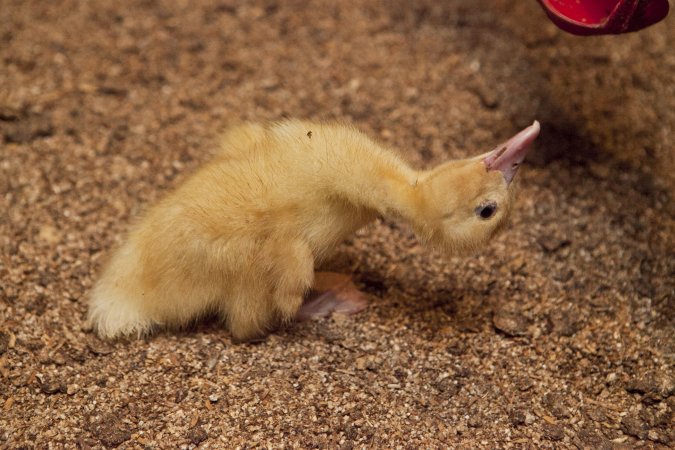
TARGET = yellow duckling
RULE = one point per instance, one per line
(241, 236)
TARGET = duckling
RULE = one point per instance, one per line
(241, 236)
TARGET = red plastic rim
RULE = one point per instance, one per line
(605, 16)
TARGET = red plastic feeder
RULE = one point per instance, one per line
(588, 17)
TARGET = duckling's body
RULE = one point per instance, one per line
(241, 236)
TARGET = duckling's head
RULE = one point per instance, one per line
(466, 202)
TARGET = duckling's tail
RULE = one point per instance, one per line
(112, 316)
(115, 308)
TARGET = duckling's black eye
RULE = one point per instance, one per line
(486, 210)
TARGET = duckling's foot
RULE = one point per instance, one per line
(332, 293)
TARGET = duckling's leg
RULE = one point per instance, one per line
(293, 277)
(293, 273)
(332, 293)
(271, 289)
(249, 313)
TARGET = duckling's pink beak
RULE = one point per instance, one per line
(507, 156)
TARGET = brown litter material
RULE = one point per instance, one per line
(560, 334)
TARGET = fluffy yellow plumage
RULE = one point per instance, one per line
(241, 236)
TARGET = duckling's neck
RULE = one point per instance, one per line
(395, 195)
(383, 185)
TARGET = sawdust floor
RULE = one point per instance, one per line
(559, 335)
